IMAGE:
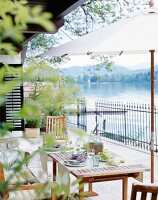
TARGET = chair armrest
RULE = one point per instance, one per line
(27, 186)
(35, 186)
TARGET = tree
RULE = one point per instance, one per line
(79, 80)
(96, 13)
(93, 79)
(86, 78)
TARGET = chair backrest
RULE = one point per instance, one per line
(57, 126)
(144, 191)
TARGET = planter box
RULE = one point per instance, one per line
(32, 132)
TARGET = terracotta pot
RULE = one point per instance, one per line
(32, 132)
(98, 147)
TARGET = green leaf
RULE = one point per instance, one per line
(36, 10)
(7, 49)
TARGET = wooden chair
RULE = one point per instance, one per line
(145, 190)
(27, 183)
(56, 125)
(6, 143)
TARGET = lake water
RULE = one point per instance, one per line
(116, 92)
(122, 92)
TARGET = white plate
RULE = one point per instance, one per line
(66, 163)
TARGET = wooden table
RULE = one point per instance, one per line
(99, 174)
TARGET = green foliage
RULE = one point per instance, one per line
(40, 43)
(4, 128)
(104, 155)
(34, 123)
(98, 13)
(15, 17)
(51, 93)
(48, 140)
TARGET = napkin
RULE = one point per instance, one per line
(80, 158)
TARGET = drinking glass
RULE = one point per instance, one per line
(96, 161)
(78, 144)
(90, 155)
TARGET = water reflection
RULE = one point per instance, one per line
(126, 92)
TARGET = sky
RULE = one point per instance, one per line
(129, 61)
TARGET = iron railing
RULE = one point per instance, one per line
(127, 123)
(79, 115)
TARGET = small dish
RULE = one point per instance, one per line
(74, 164)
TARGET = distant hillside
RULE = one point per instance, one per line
(118, 74)
(145, 70)
(80, 70)
(75, 71)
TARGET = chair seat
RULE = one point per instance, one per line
(28, 195)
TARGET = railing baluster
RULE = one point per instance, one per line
(127, 123)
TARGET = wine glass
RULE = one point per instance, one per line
(91, 153)
(69, 142)
(69, 146)
(78, 145)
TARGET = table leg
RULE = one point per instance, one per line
(124, 188)
(90, 192)
(54, 170)
(90, 187)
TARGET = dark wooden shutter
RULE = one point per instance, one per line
(13, 104)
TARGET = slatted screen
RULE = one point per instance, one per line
(13, 104)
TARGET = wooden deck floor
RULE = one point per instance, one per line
(107, 190)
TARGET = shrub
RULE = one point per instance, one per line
(34, 123)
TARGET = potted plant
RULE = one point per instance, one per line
(32, 129)
(95, 143)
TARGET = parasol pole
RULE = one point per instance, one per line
(152, 115)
